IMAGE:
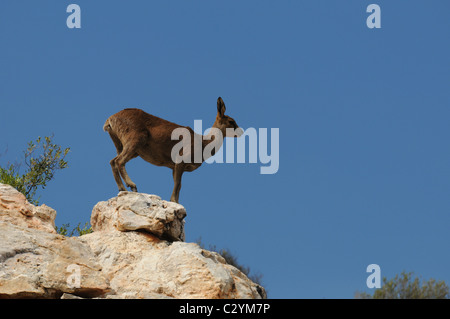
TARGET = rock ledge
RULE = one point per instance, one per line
(137, 250)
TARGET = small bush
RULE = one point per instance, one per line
(77, 231)
(42, 160)
(406, 286)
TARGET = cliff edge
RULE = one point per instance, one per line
(137, 250)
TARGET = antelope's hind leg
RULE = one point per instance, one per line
(116, 174)
(115, 170)
(125, 156)
(127, 179)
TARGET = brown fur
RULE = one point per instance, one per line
(137, 133)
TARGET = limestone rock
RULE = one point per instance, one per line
(34, 259)
(137, 211)
(36, 264)
(135, 251)
(15, 209)
(139, 265)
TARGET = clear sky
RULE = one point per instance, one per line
(363, 117)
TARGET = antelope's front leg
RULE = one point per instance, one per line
(177, 173)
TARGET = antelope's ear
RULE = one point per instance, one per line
(220, 107)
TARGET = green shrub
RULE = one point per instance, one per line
(77, 231)
(406, 286)
(42, 160)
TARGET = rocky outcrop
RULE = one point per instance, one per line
(137, 211)
(137, 250)
(37, 264)
(35, 260)
(15, 209)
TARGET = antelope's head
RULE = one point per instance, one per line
(225, 123)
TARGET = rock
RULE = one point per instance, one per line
(137, 211)
(34, 259)
(15, 209)
(139, 265)
(135, 251)
(35, 264)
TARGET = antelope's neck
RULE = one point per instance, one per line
(212, 142)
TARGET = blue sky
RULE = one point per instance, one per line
(363, 116)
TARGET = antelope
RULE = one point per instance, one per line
(137, 133)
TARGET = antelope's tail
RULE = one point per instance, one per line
(106, 126)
